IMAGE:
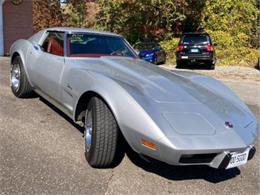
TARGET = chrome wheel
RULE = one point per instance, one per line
(15, 77)
(88, 130)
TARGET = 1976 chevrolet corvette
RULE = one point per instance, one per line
(97, 79)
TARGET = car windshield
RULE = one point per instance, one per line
(146, 45)
(93, 45)
(195, 39)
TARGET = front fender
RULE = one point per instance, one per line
(222, 90)
(21, 47)
(134, 122)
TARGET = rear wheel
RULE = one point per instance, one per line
(102, 135)
(155, 61)
(179, 64)
(18, 80)
(211, 65)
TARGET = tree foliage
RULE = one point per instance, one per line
(74, 13)
(79, 13)
(232, 24)
(46, 14)
(238, 18)
(141, 19)
(233, 16)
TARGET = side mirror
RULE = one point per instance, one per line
(38, 47)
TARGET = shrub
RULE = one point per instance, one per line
(241, 56)
(222, 39)
(225, 40)
(170, 46)
(233, 49)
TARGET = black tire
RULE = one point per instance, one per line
(179, 64)
(155, 61)
(211, 65)
(105, 137)
(24, 90)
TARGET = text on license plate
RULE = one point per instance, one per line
(238, 159)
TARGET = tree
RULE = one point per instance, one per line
(79, 13)
(46, 14)
(236, 17)
(141, 19)
(74, 13)
(193, 15)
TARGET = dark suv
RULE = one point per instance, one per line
(195, 48)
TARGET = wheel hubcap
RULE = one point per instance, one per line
(88, 130)
(15, 77)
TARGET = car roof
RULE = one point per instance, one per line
(195, 33)
(146, 42)
(80, 30)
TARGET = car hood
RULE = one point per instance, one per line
(177, 93)
(148, 51)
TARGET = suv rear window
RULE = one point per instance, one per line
(195, 39)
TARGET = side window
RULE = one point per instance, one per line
(54, 43)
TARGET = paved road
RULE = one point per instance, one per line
(42, 152)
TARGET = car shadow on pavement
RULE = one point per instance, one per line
(162, 169)
(194, 67)
(79, 128)
(182, 172)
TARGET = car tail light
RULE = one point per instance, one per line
(180, 48)
(210, 47)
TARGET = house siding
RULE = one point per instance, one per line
(17, 22)
(1, 29)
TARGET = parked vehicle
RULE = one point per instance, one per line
(151, 52)
(97, 79)
(195, 48)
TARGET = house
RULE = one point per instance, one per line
(15, 22)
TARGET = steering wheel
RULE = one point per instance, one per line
(116, 53)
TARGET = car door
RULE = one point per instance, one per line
(47, 65)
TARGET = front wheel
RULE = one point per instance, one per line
(101, 135)
(18, 80)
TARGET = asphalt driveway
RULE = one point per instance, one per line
(41, 152)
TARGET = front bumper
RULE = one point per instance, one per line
(216, 159)
(225, 161)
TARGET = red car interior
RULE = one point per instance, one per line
(54, 47)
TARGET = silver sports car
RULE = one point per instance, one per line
(97, 79)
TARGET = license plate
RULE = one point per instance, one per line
(238, 159)
(184, 57)
(194, 50)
